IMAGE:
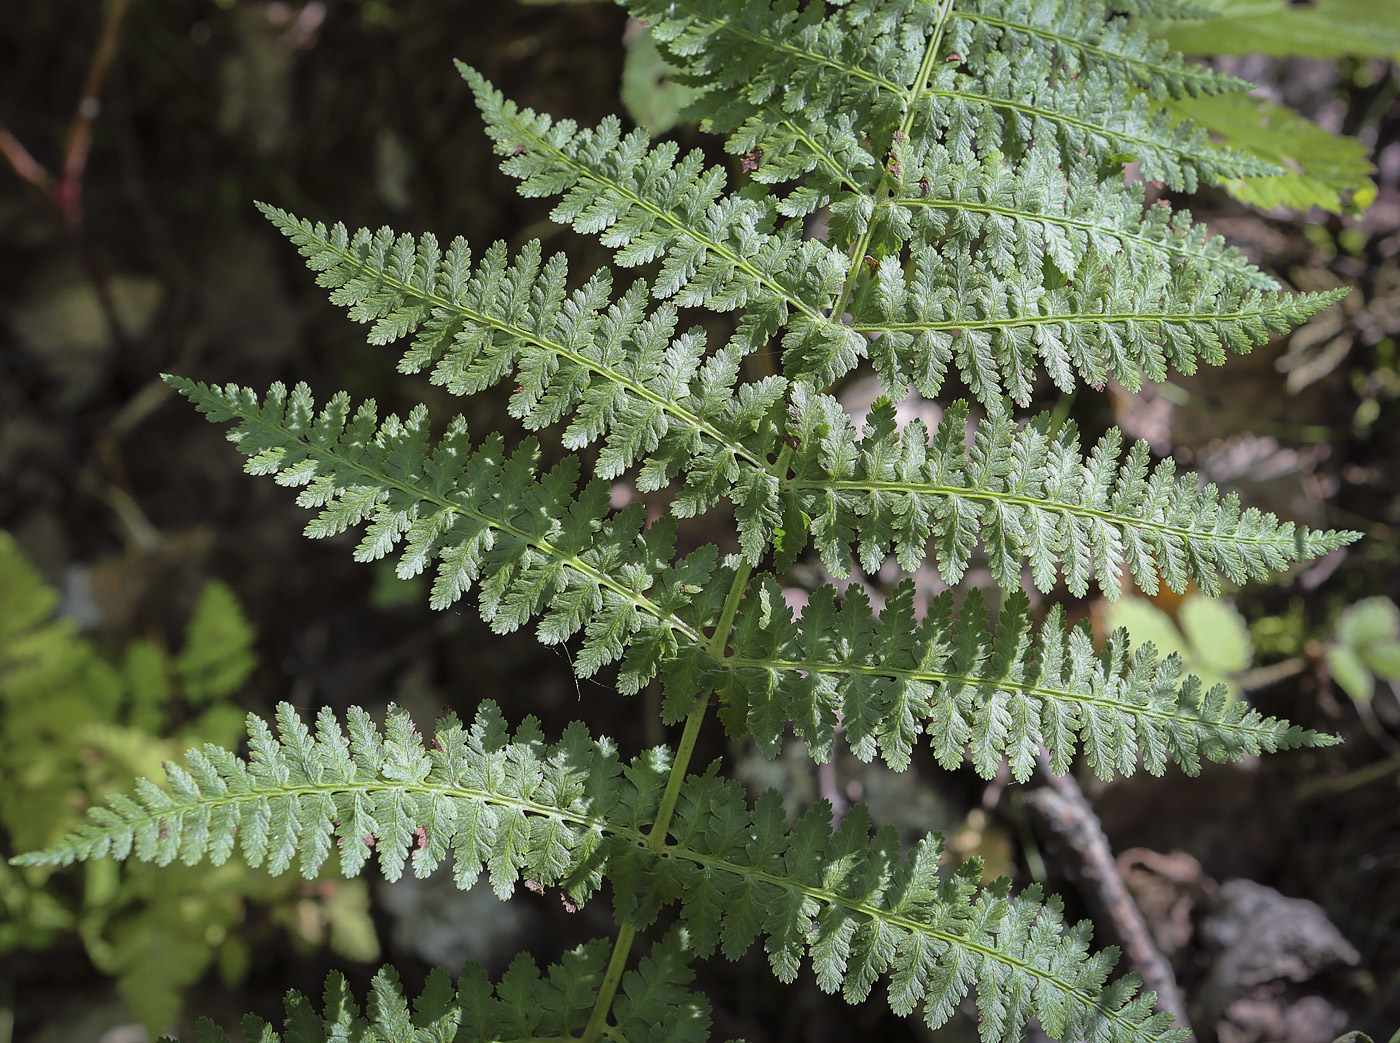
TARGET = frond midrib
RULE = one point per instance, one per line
(1062, 695)
(906, 123)
(1123, 521)
(1070, 318)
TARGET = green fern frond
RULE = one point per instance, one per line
(717, 249)
(1030, 499)
(951, 308)
(620, 374)
(863, 909)
(1013, 265)
(1080, 39)
(929, 189)
(944, 68)
(999, 693)
(569, 814)
(531, 544)
(478, 799)
(1030, 213)
(524, 1005)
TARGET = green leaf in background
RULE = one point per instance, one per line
(1212, 639)
(1323, 169)
(652, 98)
(1323, 29)
(218, 655)
(1367, 647)
(77, 723)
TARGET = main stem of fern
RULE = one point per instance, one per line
(656, 839)
(902, 134)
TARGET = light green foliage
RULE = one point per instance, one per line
(1366, 647)
(1320, 29)
(1322, 169)
(1318, 168)
(77, 724)
(965, 159)
(649, 94)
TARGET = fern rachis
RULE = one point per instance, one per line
(966, 155)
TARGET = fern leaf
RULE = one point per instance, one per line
(623, 375)
(856, 904)
(882, 60)
(524, 1005)
(1032, 213)
(1081, 39)
(526, 541)
(862, 909)
(1030, 498)
(951, 309)
(997, 693)
(718, 250)
(477, 799)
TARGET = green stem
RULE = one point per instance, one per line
(656, 839)
(612, 978)
(906, 123)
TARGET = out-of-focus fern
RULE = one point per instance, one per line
(77, 724)
(963, 161)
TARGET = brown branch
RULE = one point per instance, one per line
(1062, 808)
(24, 164)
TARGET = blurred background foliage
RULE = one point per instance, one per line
(138, 553)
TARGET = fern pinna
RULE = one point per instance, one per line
(932, 191)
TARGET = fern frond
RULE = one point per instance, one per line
(863, 909)
(1029, 498)
(526, 541)
(1081, 39)
(523, 1006)
(621, 374)
(717, 249)
(998, 693)
(951, 309)
(1015, 263)
(567, 814)
(882, 60)
(478, 799)
(1025, 215)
